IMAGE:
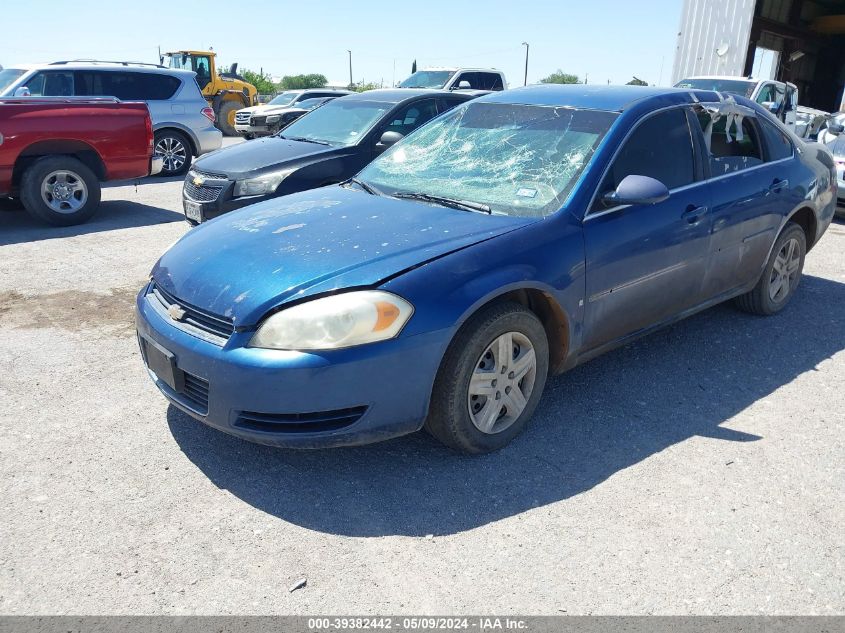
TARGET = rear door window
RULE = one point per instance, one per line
(127, 86)
(661, 148)
(778, 145)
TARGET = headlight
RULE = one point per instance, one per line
(344, 320)
(266, 183)
(273, 118)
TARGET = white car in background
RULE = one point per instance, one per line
(457, 79)
(779, 98)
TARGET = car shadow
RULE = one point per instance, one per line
(140, 182)
(17, 227)
(594, 421)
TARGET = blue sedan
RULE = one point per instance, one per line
(510, 239)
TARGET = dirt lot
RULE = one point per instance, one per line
(701, 470)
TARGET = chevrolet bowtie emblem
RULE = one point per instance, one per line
(175, 312)
(198, 181)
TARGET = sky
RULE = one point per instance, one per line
(604, 40)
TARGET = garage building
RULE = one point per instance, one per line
(799, 41)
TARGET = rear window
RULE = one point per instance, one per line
(127, 86)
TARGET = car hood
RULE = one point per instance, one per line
(245, 263)
(266, 153)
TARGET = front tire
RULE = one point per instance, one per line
(491, 380)
(781, 275)
(175, 151)
(60, 190)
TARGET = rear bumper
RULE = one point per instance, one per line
(295, 399)
(156, 164)
(208, 139)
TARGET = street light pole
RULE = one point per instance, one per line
(525, 44)
(350, 68)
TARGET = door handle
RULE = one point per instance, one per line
(693, 214)
(777, 185)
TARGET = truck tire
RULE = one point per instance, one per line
(226, 117)
(176, 152)
(60, 190)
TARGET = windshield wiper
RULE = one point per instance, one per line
(366, 187)
(464, 205)
(302, 139)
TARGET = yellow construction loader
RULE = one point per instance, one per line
(226, 92)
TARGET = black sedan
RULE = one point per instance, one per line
(326, 146)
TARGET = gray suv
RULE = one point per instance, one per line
(182, 120)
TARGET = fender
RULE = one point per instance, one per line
(188, 132)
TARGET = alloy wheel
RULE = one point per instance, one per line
(173, 152)
(785, 270)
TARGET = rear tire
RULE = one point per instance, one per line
(490, 380)
(781, 275)
(226, 117)
(175, 149)
(60, 190)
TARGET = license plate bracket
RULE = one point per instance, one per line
(193, 211)
(163, 364)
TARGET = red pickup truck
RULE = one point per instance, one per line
(54, 152)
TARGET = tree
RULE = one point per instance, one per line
(560, 77)
(263, 82)
(362, 86)
(637, 82)
(303, 82)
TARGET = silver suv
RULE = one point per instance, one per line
(182, 120)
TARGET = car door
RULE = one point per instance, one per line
(750, 193)
(644, 263)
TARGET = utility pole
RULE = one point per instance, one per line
(525, 44)
(350, 69)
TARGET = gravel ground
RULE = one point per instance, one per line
(698, 471)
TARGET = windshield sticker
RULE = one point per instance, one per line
(525, 192)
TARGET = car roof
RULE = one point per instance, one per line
(726, 77)
(461, 68)
(89, 65)
(397, 95)
(592, 97)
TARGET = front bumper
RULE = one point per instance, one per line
(214, 198)
(258, 130)
(296, 399)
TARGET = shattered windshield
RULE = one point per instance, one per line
(519, 160)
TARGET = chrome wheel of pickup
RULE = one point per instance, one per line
(64, 191)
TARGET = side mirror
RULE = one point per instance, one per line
(387, 139)
(637, 190)
(771, 106)
(464, 85)
(836, 128)
(23, 91)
